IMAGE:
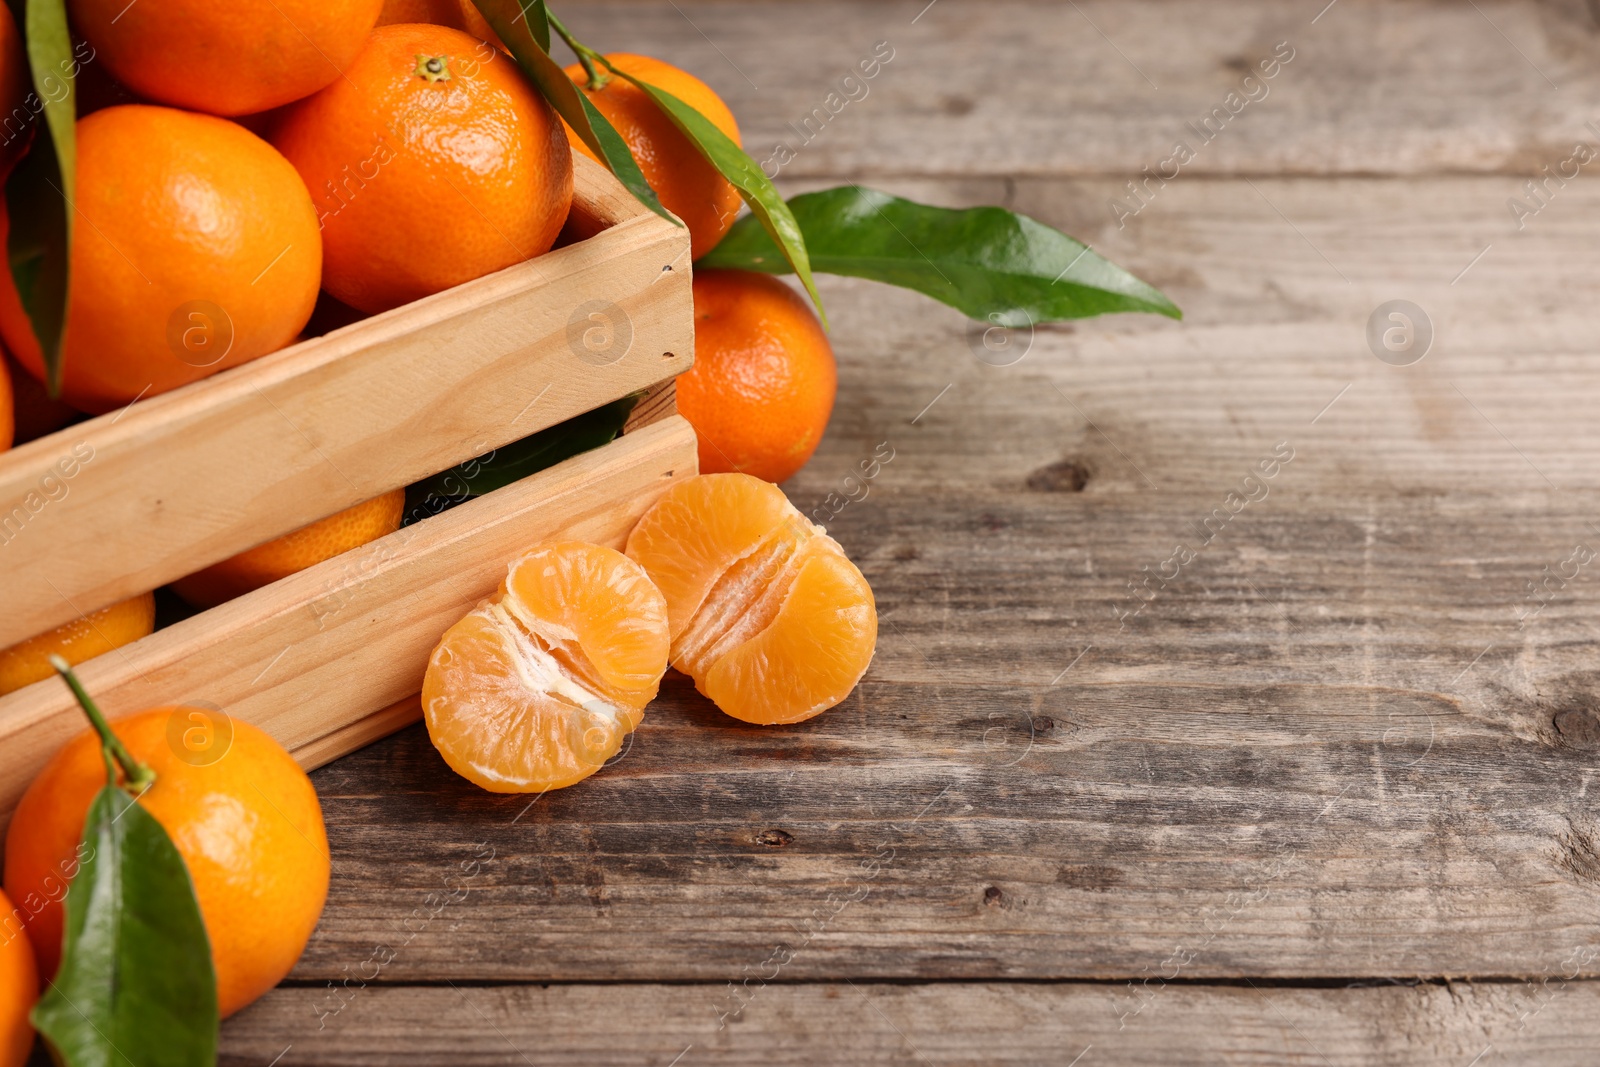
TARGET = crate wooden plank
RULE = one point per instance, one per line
(130, 500)
(311, 657)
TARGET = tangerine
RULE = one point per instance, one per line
(227, 59)
(196, 249)
(460, 15)
(537, 687)
(16, 117)
(241, 812)
(8, 419)
(19, 987)
(283, 556)
(763, 382)
(433, 163)
(767, 613)
(34, 411)
(685, 182)
(82, 639)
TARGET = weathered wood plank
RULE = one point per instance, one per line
(1345, 741)
(948, 830)
(1423, 490)
(1108, 87)
(1554, 1023)
(1332, 715)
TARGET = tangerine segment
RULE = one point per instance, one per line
(698, 530)
(536, 688)
(818, 648)
(769, 617)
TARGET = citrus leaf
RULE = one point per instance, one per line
(136, 987)
(511, 20)
(539, 22)
(767, 207)
(37, 193)
(992, 264)
(517, 460)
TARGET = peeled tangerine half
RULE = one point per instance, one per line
(536, 688)
(768, 616)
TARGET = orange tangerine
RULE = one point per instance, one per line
(457, 14)
(688, 186)
(537, 687)
(762, 386)
(432, 161)
(241, 812)
(234, 58)
(16, 84)
(767, 614)
(283, 556)
(196, 249)
(34, 412)
(8, 422)
(19, 987)
(84, 638)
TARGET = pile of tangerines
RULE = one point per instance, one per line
(363, 153)
(238, 166)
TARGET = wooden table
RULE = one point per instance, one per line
(1143, 773)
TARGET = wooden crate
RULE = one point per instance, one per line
(331, 658)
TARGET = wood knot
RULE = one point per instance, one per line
(992, 896)
(1577, 728)
(774, 838)
(1043, 724)
(1067, 476)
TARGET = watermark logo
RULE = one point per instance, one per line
(199, 333)
(599, 333)
(1399, 333)
(997, 341)
(199, 734)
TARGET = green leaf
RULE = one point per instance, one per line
(136, 986)
(993, 264)
(517, 460)
(37, 196)
(539, 22)
(767, 207)
(519, 25)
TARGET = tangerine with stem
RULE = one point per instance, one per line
(241, 812)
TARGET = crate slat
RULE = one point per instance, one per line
(179, 481)
(331, 658)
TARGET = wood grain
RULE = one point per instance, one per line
(320, 658)
(1023, 89)
(1552, 1024)
(178, 481)
(950, 831)
(1329, 748)
(1344, 748)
